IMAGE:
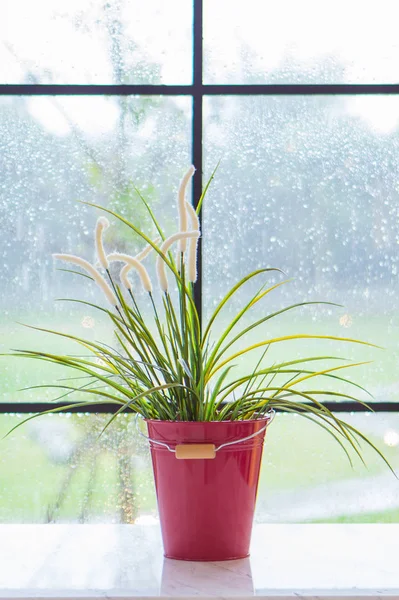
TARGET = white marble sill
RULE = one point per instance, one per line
(125, 561)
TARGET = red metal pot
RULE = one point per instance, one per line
(206, 505)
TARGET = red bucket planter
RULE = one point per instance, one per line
(206, 505)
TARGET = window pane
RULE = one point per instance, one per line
(53, 469)
(121, 41)
(309, 185)
(55, 153)
(306, 477)
(300, 42)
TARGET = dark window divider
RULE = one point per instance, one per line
(197, 131)
(200, 89)
(17, 408)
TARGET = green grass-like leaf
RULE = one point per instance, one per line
(163, 365)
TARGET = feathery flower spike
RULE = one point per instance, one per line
(192, 244)
(160, 264)
(182, 207)
(142, 255)
(100, 281)
(124, 276)
(101, 225)
(135, 264)
(192, 214)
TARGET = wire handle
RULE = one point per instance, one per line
(270, 416)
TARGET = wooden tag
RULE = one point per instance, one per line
(193, 451)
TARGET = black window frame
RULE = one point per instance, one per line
(197, 90)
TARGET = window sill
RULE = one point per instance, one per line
(125, 561)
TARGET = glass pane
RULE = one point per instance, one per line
(300, 42)
(306, 477)
(55, 153)
(120, 42)
(53, 469)
(309, 185)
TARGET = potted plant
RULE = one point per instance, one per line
(206, 425)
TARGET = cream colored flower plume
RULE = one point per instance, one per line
(133, 263)
(142, 255)
(182, 207)
(161, 265)
(124, 276)
(100, 281)
(192, 244)
(101, 225)
(128, 267)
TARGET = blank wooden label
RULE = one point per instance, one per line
(191, 451)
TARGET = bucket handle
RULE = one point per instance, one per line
(270, 416)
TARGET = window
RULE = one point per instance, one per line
(100, 99)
